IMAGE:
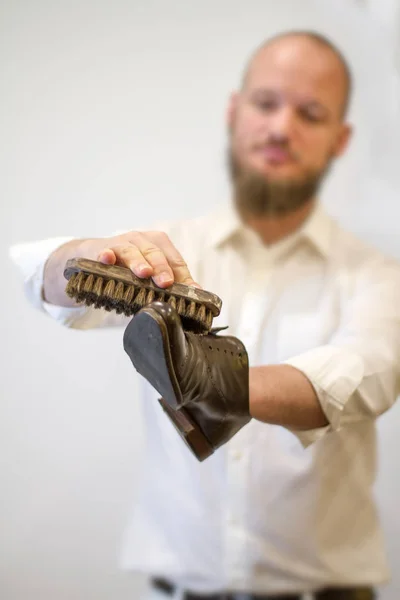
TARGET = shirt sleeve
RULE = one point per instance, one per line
(357, 375)
(31, 258)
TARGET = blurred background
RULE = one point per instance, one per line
(112, 116)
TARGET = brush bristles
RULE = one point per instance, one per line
(129, 299)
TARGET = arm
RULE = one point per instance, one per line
(355, 377)
(149, 254)
(53, 275)
(283, 395)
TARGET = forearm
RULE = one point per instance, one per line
(54, 281)
(282, 395)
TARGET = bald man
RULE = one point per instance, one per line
(283, 506)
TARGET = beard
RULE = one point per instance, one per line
(258, 195)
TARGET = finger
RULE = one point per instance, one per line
(175, 259)
(107, 256)
(163, 275)
(181, 272)
(129, 255)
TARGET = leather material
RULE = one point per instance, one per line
(361, 593)
(169, 589)
(174, 327)
(211, 371)
(214, 381)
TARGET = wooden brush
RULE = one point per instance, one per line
(117, 289)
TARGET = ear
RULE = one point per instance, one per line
(231, 110)
(343, 140)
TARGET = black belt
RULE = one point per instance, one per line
(329, 594)
(169, 589)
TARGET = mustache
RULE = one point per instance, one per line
(278, 145)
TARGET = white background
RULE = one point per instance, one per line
(112, 115)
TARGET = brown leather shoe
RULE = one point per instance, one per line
(203, 379)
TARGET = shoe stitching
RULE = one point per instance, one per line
(219, 392)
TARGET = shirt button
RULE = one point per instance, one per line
(236, 454)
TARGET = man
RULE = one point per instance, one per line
(285, 507)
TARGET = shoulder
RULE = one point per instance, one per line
(362, 260)
(357, 251)
(194, 232)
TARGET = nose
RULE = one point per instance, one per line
(282, 124)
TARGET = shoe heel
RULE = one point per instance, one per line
(189, 431)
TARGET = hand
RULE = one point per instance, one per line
(147, 254)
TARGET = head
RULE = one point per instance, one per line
(287, 123)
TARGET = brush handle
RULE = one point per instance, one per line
(125, 275)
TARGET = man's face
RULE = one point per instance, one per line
(286, 124)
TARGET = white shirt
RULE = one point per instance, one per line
(272, 510)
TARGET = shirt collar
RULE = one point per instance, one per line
(226, 224)
(317, 229)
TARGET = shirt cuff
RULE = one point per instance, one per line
(335, 373)
(31, 260)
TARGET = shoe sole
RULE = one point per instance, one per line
(152, 358)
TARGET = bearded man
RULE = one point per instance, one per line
(286, 403)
